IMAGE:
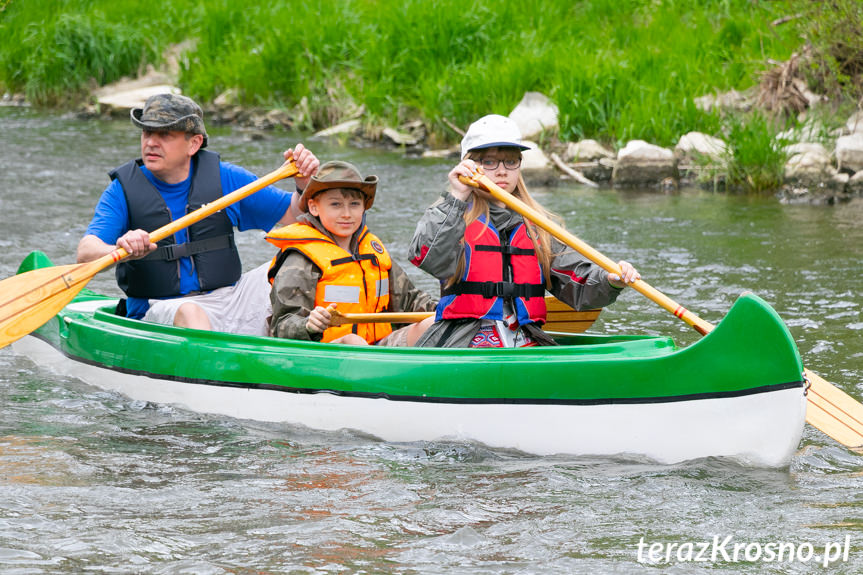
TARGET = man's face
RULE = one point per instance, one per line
(167, 154)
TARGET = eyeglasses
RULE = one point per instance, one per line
(491, 164)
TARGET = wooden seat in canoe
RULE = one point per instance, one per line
(562, 318)
(559, 317)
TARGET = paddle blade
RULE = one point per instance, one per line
(834, 412)
(30, 299)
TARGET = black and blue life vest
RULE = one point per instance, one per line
(211, 241)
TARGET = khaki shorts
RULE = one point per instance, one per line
(398, 338)
(241, 308)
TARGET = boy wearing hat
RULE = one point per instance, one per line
(329, 258)
(193, 279)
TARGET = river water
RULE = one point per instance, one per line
(91, 481)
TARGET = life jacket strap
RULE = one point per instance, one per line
(506, 249)
(176, 251)
(354, 258)
(489, 290)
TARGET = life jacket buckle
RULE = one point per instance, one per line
(497, 289)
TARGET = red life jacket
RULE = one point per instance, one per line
(497, 268)
(358, 283)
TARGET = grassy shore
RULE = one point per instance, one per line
(617, 69)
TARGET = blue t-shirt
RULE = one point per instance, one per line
(261, 211)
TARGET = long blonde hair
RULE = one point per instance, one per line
(541, 239)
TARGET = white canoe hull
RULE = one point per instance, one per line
(761, 429)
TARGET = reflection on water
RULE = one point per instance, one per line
(92, 481)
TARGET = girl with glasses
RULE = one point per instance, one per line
(494, 265)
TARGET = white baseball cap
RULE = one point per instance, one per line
(492, 131)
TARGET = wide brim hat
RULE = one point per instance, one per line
(339, 175)
(170, 113)
(492, 131)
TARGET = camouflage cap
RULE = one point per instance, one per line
(170, 112)
(338, 175)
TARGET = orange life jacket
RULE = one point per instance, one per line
(358, 283)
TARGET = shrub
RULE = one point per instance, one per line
(756, 160)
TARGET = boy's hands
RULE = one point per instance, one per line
(320, 318)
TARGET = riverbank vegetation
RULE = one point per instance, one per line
(617, 70)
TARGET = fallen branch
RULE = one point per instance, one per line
(453, 127)
(784, 19)
(575, 174)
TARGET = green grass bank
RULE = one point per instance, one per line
(617, 69)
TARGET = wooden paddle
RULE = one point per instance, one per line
(338, 318)
(830, 409)
(30, 299)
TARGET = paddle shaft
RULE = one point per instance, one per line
(836, 413)
(540, 219)
(339, 318)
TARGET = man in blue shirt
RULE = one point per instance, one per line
(194, 278)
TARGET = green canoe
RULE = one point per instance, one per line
(738, 392)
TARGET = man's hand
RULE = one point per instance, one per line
(307, 163)
(137, 243)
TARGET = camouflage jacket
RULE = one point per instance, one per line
(575, 280)
(293, 292)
